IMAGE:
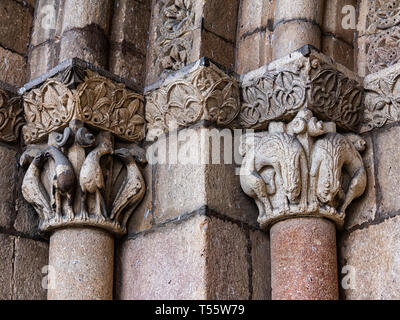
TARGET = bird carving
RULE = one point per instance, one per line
(131, 191)
(92, 181)
(32, 188)
(63, 183)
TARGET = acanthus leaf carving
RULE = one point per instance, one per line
(298, 169)
(11, 118)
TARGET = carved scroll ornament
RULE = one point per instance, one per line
(303, 168)
(97, 100)
(79, 179)
(11, 118)
(305, 82)
(205, 93)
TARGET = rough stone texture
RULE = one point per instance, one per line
(213, 185)
(15, 26)
(12, 67)
(293, 35)
(255, 14)
(261, 265)
(83, 263)
(42, 59)
(127, 65)
(82, 13)
(388, 169)
(363, 209)
(6, 266)
(8, 173)
(339, 51)
(333, 18)
(374, 254)
(303, 260)
(131, 22)
(46, 26)
(220, 17)
(88, 45)
(254, 51)
(30, 258)
(168, 263)
(310, 10)
(227, 262)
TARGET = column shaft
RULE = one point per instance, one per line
(303, 260)
(297, 23)
(81, 260)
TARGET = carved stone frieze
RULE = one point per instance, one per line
(173, 34)
(79, 179)
(302, 168)
(382, 98)
(11, 118)
(305, 79)
(383, 32)
(81, 94)
(204, 92)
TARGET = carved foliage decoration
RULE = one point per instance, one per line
(11, 118)
(174, 39)
(79, 179)
(318, 86)
(304, 168)
(383, 28)
(382, 100)
(204, 94)
(96, 100)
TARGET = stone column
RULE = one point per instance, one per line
(307, 172)
(297, 23)
(83, 176)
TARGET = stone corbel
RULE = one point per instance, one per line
(11, 118)
(202, 91)
(82, 163)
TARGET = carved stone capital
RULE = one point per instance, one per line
(304, 79)
(302, 168)
(382, 98)
(200, 92)
(81, 170)
(77, 91)
(11, 118)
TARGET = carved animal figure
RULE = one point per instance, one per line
(330, 154)
(91, 179)
(285, 154)
(32, 188)
(63, 183)
(131, 191)
(250, 180)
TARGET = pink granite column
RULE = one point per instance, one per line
(303, 260)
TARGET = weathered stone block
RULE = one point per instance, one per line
(261, 265)
(30, 258)
(341, 52)
(6, 266)
(12, 67)
(15, 26)
(371, 257)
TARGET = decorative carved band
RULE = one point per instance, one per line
(11, 118)
(79, 179)
(279, 90)
(87, 96)
(203, 93)
(382, 98)
(303, 168)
